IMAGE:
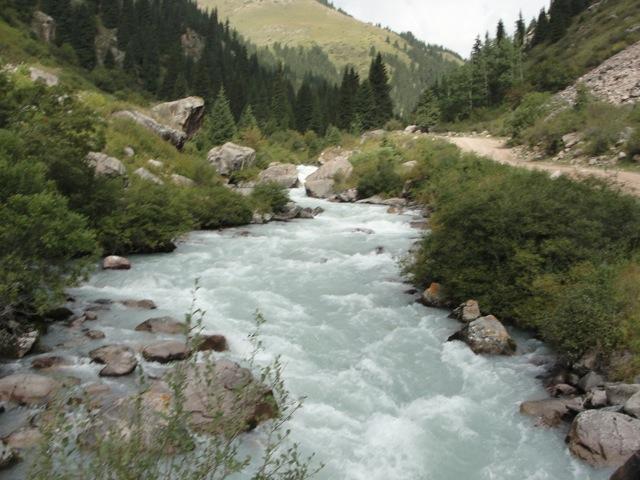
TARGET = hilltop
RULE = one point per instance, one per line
(308, 35)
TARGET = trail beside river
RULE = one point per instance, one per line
(495, 149)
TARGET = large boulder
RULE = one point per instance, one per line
(434, 296)
(166, 351)
(141, 304)
(25, 342)
(334, 153)
(43, 26)
(119, 360)
(284, 174)
(105, 166)
(630, 470)
(604, 439)
(486, 335)
(163, 325)
(230, 158)
(176, 137)
(216, 343)
(321, 183)
(550, 412)
(619, 393)
(27, 389)
(146, 175)
(467, 312)
(185, 114)
(632, 407)
(114, 262)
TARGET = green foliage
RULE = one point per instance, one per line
(216, 207)
(427, 114)
(533, 107)
(381, 93)
(375, 173)
(270, 197)
(219, 126)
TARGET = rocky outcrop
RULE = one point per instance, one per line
(486, 335)
(176, 137)
(467, 312)
(632, 406)
(604, 439)
(39, 75)
(105, 166)
(321, 183)
(162, 325)
(106, 42)
(119, 360)
(630, 470)
(43, 26)
(114, 262)
(551, 412)
(334, 153)
(166, 351)
(192, 44)
(186, 114)
(617, 80)
(182, 181)
(27, 389)
(146, 175)
(230, 158)
(284, 174)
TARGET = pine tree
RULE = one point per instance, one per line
(541, 33)
(83, 36)
(381, 92)
(304, 107)
(500, 32)
(521, 31)
(365, 118)
(110, 13)
(247, 119)
(220, 126)
(109, 60)
(347, 98)
(560, 19)
(427, 113)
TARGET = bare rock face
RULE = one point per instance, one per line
(617, 80)
(105, 166)
(114, 262)
(107, 42)
(176, 137)
(321, 183)
(162, 325)
(604, 439)
(185, 114)
(284, 174)
(230, 158)
(166, 351)
(27, 389)
(146, 175)
(119, 360)
(486, 335)
(630, 470)
(43, 26)
(467, 312)
(550, 412)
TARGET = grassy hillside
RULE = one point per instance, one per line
(343, 39)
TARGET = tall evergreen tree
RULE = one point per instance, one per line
(304, 107)
(347, 98)
(83, 35)
(501, 33)
(365, 117)
(427, 113)
(110, 13)
(219, 126)
(247, 119)
(521, 31)
(541, 33)
(381, 92)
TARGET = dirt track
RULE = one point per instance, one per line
(495, 149)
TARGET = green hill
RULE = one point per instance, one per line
(308, 35)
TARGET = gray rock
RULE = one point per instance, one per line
(155, 163)
(95, 335)
(571, 139)
(25, 342)
(413, 129)
(467, 312)
(8, 456)
(105, 166)
(186, 114)
(596, 399)
(114, 262)
(284, 174)
(486, 335)
(39, 75)
(604, 439)
(145, 174)
(119, 360)
(23, 439)
(321, 183)
(166, 351)
(590, 381)
(27, 389)
(619, 393)
(176, 137)
(167, 325)
(230, 158)
(128, 152)
(43, 363)
(182, 181)
(43, 26)
(141, 304)
(630, 470)
(551, 412)
(632, 407)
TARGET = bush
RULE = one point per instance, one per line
(375, 173)
(270, 198)
(216, 207)
(533, 107)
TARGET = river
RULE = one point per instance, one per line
(387, 397)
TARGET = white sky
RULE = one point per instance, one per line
(452, 23)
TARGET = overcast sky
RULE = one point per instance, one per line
(452, 23)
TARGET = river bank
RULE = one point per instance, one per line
(387, 397)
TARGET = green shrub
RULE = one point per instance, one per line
(270, 198)
(375, 173)
(533, 107)
(216, 207)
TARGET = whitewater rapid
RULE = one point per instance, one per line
(386, 397)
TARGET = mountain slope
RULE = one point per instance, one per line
(342, 39)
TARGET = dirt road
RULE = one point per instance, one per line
(494, 148)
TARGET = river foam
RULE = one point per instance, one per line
(387, 398)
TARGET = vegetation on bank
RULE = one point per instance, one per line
(558, 256)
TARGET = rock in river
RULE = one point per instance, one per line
(630, 470)
(114, 262)
(162, 325)
(486, 335)
(231, 158)
(27, 389)
(166, 351)
(119, 360)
